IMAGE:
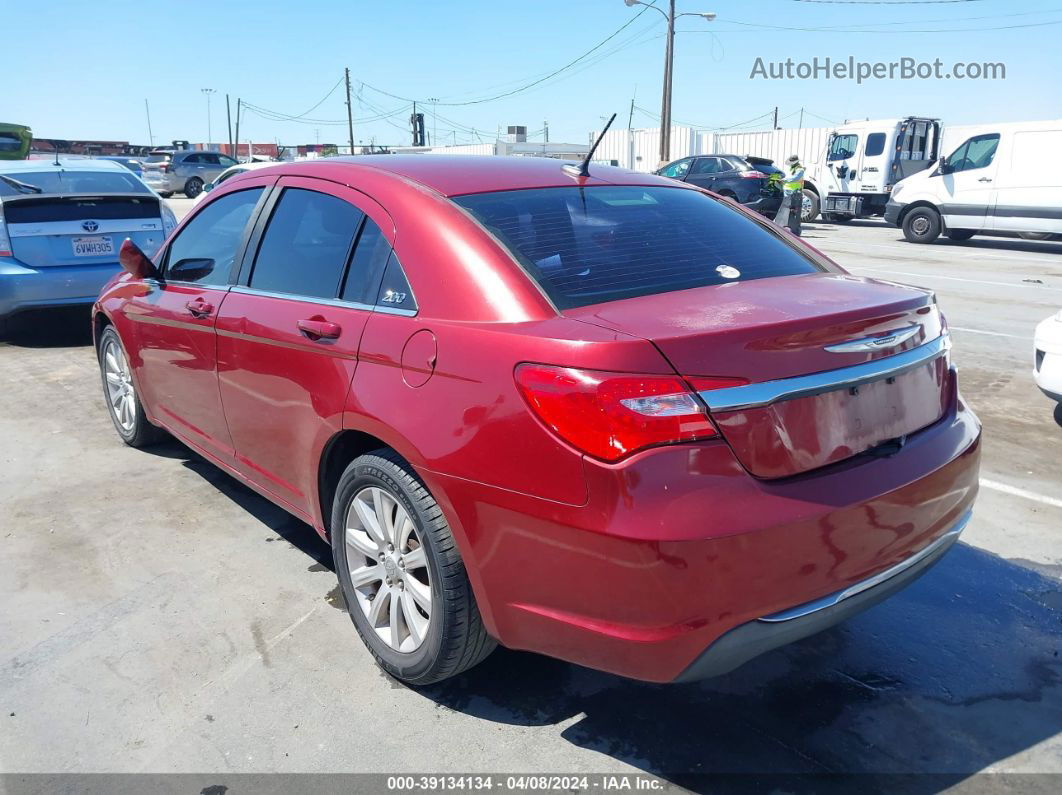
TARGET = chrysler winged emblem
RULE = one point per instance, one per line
(876, 343)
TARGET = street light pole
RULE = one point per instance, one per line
(669, 68)
(208, 92)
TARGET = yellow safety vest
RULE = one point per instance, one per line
(792, 185)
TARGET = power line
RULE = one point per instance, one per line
(763, 26)
(533, 83)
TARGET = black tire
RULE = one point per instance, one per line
(139, 432)
(809, 213)
(193, 187)
(921, 225)
(456, 639)
(958, 235)
(166, 194)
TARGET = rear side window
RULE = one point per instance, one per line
(367, 264)
(875, 144)
(589, 245)
(306, 245)
(204, 250)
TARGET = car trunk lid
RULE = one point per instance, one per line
(50, 230)
(821, 349)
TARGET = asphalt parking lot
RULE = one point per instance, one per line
(161, 617)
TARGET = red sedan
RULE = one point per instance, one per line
(612, 418)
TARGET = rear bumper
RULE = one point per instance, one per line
(667, 570)
(23, 288)
(768, 205)
(753, 638)
(168, 183)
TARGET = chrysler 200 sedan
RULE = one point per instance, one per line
(611, 418)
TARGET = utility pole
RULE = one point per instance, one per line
(669, 65)
(434, 120)
(350, 113)
(776, 117)
(147, 110)
(413, 119)
(208, 92)
(228, 115)
(236, 154)
(545, 130)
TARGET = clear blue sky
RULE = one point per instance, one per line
(83, 70)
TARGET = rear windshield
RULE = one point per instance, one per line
(590, 245)
(163, 158)
(69, 183)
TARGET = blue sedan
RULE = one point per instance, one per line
(61, 226)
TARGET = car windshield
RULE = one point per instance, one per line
(69, 183)
(158, 158)
(590, 245)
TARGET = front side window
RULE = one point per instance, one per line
(306, 245)
(205, 249)
(976, 152)
(875, 144)
(842, 147)
(590, 245)
(678, 169)
(225, 160)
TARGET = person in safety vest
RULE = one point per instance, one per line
(793, 196)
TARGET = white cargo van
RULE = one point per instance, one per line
(862, 162)
(1001, 178)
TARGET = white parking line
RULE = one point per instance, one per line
(954, 278)
(966, 252)
(990, 333)
(995, 485)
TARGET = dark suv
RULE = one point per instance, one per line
(184, 171)
(746, 179)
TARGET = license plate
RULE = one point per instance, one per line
(92, 246)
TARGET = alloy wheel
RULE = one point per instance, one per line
(388, 569)
(121, 394)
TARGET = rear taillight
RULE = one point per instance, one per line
(610, 415)
(164, 167)
(752, 175)
(5, 241)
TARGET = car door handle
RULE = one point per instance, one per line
(317, 329)
(199, 308)
(985, 179)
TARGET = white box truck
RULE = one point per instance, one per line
(862, 163)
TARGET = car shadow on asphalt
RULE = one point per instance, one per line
(959, 671)
(50, 328)
(297, 533)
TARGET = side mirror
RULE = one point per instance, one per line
(135, 261)
(208, 187)
(945, 166)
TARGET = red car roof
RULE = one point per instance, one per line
(453, 175)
